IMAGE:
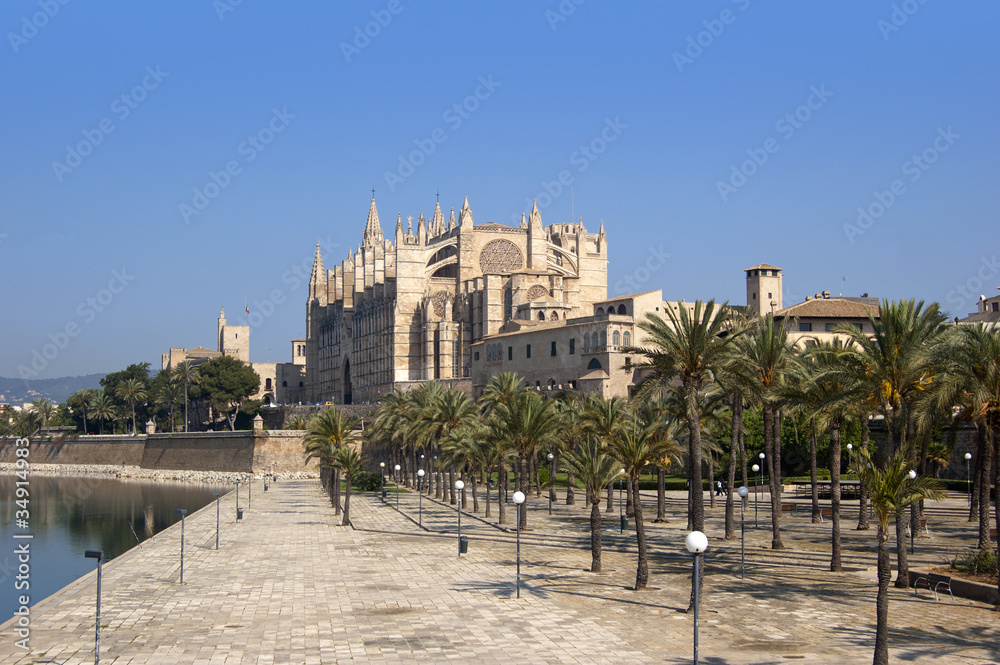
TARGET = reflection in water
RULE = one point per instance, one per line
(69, 515)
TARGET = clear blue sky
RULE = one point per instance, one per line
(665, 98)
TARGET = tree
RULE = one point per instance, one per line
(326, 433)
(893, 487)
(113, 381)
(169, 396)
(604, 419)
(227, 383)
(81, 403)
(595, 470)
(348, 460)
(44, 409)
(500, 392)
(103, 408)
(132, 391)
(446, 411)
(186, 375)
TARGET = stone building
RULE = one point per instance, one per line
(407, 309)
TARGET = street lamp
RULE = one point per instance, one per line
(459, 485)
(216, 495)
(756, 481)
(239, 513)
(552, 480)
(99, 555)
(968, 475)
(182, 512)
(250, 492)
(696, 543)
(420, 491)
(381, 470)
(913, 526)
(397, 488)
(621, 509)
(518, 500)
(743, 491)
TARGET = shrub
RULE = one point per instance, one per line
(367, 481)
(976, 561)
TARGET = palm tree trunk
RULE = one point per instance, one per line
(996, 501)
(863, 524)
(773, 445)
(534, 474)
(487, 486)
(595, 535)
(450, 489)
(835, 427)
(694, 455)
(984, 492)
(553, 465)
(501, 493)
(814, 472)
(902, 564)
(185, 406)
(642, 569)
(347, 504)
(882, 601)
(977, 476)
(570, 489)
(336, 491)
(711, 480)
(611, 498)
(522, 487)
(734, 451)
(475, 496)
(661, 496)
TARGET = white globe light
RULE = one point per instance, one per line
(912, 474)
(755, 468)
(551, 457)
(519, 498)
(696, 542)
(382, 464)
(968, 456)
(743, 491)
(397, 467)
(459, 484)
(850, 446)
(420, 473)
(761, 456)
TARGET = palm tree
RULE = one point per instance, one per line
(26, 422)
(653, 415)
(604, 419)
(169, 397)
(44, 408)
(348, 460)
(594, 469)
(132, 391)
(894, 487)
(890, 370)
(102, 407)
(325, 433)
(186, 374)
(499, 393)
(296, 423)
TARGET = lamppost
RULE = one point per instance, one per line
(621, 508)
(216, 495)
(397, 488)
(250, 492)
(459, 485)
(756, 481)
(743, 491)
(420, 491)
(913, 526)
(421, 463)
(696, 543)
(239, 513)
(381, 470)
(182, 512)
(518, 500)
(99, 555)
(968, 475)
(552, 479)
(761, 456)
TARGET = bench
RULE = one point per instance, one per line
(933, 582)
(788, 507)
(923, 525)
(993, 532)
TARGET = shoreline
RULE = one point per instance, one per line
(114, 472)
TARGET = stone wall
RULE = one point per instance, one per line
(108, 449)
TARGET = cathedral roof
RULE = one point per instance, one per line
(373, 230)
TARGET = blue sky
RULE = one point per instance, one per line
(709, 136)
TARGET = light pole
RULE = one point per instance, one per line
(99, 555)
(421, 463)
(913, 526)
(216, 495)
(756, 481)
(518, 500)
(239, 513)
(397, 488)
(696, 543)
(381, 469)
(968, 475)
(743, 491)
(761, 456)
(621, 508)
(182, 512)
(459, 485)
(420, 491)
(552, 480)
(250, 492)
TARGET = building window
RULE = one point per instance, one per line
(616, 338)
(604, 338)
(996, 307)
(829, 327)
(594, 364)
(586, 340)
(628, 362)
(572, 345)
(477, 355)
(858, 326)
(769, 296)
(541, 316)
(510, 353)
(301, 385)
(600, 311)
(627, 338)
(553, 351)
(284, 384)
(267, 384)
(621, 309)
(805, 327)
(529, 350)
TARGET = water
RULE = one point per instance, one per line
(71, 515)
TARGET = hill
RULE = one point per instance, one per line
(19, 391)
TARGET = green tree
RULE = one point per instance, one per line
(186, 375)
(102, 407)
(528, 422)
(169, 396)
(80, 404)
(893, 488)
(326, 433)
(44, 409)
(132, 391)
(112, 382)
(348, 461)
(595, 470)
(227, 383)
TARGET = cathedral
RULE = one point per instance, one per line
(400, 311)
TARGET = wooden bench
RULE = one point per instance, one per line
(788, 507)
(993, 532)
(923, 525)
(933, 582)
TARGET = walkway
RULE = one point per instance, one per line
(291, 586)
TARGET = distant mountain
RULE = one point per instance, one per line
(19, 391)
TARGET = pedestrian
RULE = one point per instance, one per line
(718, 488)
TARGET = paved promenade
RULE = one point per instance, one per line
(289, 585)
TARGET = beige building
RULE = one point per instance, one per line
(410, 308)
(987, 311)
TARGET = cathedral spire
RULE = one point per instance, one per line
(437, 221)
(373, 230)
(535, 217)
(524, 223)
(317, 273)
(464, 215)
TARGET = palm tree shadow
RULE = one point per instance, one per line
(942, 642)
(504, 589)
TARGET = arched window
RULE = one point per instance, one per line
(604, 338)
(621, 309)
(594, 364)
(267, 384)
(541, 316)
(627, 338)
(284, 384)
(554, 316)
(586, 340)
(615, 338)
(600, 311)
(301, 385)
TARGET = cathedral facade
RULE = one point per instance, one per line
(403, 310)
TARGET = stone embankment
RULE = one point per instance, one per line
(138, 473)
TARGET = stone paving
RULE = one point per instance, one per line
(289, 585)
